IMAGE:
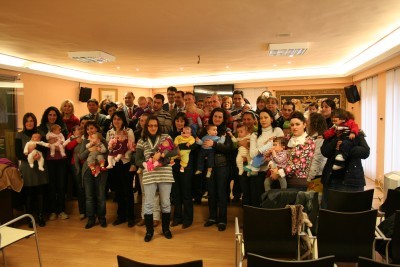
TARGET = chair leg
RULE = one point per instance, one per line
(38, 250)
(4, 257)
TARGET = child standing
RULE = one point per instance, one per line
(55, 132)
(184, 151)
(35, 140)
(243, 151)
(278, 159)
(346, 129)
(208, 152)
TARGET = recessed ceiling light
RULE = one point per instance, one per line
(227, 67)
(274, 65)
(287, 49)
(137, 69)
(118, 67)
(289, 62)
(181, 68)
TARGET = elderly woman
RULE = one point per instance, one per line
(160, 178)
(301, 149)
(67, 113)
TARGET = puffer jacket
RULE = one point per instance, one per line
(353, 173)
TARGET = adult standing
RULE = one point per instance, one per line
(170, 105)
(93, 108)
(327, 106)
(351, 178)
(156, 206)
(129, 107)
(123, 179)
(103, 105)
(68, 114)
(179, 104)
(250, 120)
(316, 127)
(258, 145)
(57, 164)
(95, 187)
(301, 151)
(218, 182)
(182, 188)
(190, 99)
(34, 179)
(160, 178)
(284, 122)
(164, 117)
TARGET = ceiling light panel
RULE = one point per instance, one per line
(91, 56)
(287, 49)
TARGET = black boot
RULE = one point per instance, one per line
(148, 220)
(166, 217)
(41, 220)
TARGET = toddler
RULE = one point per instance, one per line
(208, 152)
(346, 129)
(142, 101)
(118, 146)
(255, 163)
(160, 158)
(243, 151)
(278, 159)
(55, 132)
(193, 117)
(184, 141)
(96, 149)
(35, 140)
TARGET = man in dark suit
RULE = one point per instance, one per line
(93, 108)
(171, 91)
(179, 104)
(129, 108)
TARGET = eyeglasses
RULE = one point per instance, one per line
(152, 126)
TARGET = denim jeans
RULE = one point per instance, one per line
(95, 193)
(80, 189)
(156, 203)
(164, 190)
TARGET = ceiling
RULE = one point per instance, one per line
(158, 42)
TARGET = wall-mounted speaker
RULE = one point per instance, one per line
(352, 93)
(85, 94)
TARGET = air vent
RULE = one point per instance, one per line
(287, 49)
(91, 56)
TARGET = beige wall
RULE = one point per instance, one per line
(41, 91)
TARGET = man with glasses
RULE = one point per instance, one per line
(170, 105)
(164, 118)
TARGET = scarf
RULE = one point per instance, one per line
(297, 140)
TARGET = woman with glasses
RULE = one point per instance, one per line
(160, 178)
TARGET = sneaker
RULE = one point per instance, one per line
(198, 172)
(336, 167)
(52, 217)
(208, 175)
(339, 157)
(63, 216)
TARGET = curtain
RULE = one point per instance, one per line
(392, 124)
(369, 115)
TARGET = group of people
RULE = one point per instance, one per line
(179, 149)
